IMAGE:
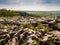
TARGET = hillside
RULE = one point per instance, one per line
(5, 12)
(44, 13)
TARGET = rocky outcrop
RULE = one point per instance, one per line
(11, 31)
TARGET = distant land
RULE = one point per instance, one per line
(41, 13)
(54, 12)
(6, 12)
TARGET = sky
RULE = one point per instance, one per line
(31, 5)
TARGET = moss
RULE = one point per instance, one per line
(23, 25)
(6, 44)
(47, 29)
(51, 41)
(22, 42)
(38, 40)
(16, 43)
(58, 25)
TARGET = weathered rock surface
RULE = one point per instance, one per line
(11, 32)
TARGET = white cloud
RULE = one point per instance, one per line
(32, 8)
(35, 5)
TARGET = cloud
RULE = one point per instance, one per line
(8, 2)
(30, 4)
(51, 2)
(32, 8)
